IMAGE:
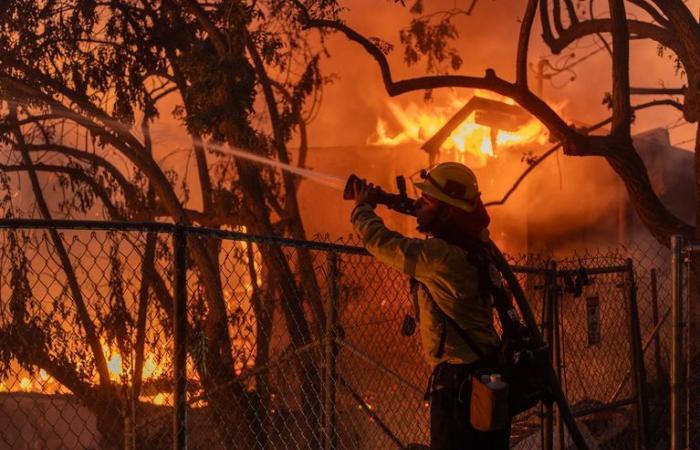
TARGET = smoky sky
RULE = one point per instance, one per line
(488, 39)
(356, 99)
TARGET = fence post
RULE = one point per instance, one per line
(550, 287)
(655, 317)
(529, 319)
(677, 340)
(179, 339)
(637, 358)
(330, 352)
(687, 321)
(557, 361)
(130, 420)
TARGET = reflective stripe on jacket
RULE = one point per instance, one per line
(447, 275)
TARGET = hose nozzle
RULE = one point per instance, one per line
(398, 202)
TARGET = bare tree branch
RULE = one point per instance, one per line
(544, 20)
(616, 149)
(76, 174)
(524, 43)
(490, 81)
(83, 313)
(130, 191)
(637, 30)
(600, 36)
(657, 91)
(622, 112)
(571, 11)
(686, 26)
(688, 31)
(531, 167)
(556, 15)
(653, 12)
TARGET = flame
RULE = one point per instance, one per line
(115, 367)
(151, 369)
(470, 142)
(25, 384)
(121, 367)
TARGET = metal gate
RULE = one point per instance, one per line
(685, 349)
(588, 314)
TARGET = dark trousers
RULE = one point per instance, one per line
(450, 428)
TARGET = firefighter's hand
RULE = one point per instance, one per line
(366, 193)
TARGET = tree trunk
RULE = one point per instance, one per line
(291, 304)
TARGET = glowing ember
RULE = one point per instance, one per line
(470, 142)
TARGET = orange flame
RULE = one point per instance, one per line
(116, 365)
(470, 142)
(26, 384)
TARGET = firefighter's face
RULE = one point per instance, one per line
(427, 210)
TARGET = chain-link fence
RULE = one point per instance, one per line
(587, 309)
(684, 349)
(288, 344)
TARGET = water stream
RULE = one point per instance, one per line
(319, 177)
(332, 181)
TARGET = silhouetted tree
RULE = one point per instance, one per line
(564, 22)
(100, 70)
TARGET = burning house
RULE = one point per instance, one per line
(199, 309)
(564, 206)
(563, 203)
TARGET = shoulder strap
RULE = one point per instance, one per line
(491, 280)
(464, 334)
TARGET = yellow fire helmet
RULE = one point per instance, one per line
(452, 183)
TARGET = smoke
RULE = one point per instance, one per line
(488, 39)
(588, 193)
(561, 200)
(577, 201)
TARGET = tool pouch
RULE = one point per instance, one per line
(488, 406)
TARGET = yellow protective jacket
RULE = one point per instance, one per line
(446, 273)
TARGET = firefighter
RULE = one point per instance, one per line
(445, 281)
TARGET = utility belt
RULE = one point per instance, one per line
(454, 376)
(479, 388)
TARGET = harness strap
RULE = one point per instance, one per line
(464, 334)
(443, 337)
